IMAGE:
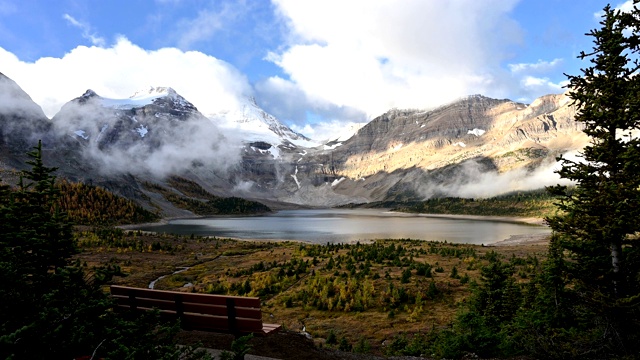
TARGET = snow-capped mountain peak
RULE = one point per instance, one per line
(149, 114)
(165, 97)
(255, 124)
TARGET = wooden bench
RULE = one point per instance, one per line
(219, 313)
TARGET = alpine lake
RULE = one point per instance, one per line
(322, 226)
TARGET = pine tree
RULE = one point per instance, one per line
(600, 214)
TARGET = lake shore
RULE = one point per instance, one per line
(510, 219)
(513, 240)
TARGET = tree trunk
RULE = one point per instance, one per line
(616, 262)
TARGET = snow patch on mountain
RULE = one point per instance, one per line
(333, 146)
(295, 177)
(81, 133)
(301, 157)
(142, 130)
(275, 152)
(337, 181)
(476, 132)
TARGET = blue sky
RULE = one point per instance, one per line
(315, 64)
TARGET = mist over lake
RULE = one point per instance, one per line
(344, 226)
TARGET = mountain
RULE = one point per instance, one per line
(465, 129)
(268, 153)
(141, 119)
(143, 146)
(22, 121)
(476, 146)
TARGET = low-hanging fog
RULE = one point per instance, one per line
(145, 142)
(474, 181)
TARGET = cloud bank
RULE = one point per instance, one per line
(153, 142)
(373, 56)
(118, 71)
(473, 180)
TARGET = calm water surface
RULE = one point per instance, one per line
(332, 225)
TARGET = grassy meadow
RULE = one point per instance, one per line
(352, 296)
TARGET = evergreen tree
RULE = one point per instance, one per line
(36, 244)
(492, 305)
(600, 215)
(50, 306)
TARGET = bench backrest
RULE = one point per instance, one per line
(235, 314)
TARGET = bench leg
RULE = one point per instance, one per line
(231, 315)
(133, 305)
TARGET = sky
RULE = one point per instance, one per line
(317, 65)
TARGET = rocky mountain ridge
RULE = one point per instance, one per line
(123, 144)
(413, 154)
(456, 132)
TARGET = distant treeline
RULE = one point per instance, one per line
(201, 202)
(92, 205)
(537, 203)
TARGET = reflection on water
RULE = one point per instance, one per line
(332, 225)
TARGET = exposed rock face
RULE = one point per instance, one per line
(453, 133)
(396, 154)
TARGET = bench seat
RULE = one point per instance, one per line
(219, 313)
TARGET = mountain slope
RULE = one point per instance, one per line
(476, 146)
(22, 121)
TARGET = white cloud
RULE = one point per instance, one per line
(474, 181)
(289, 103)
(539, 66)
(626, 6)
(212, 85)
(87, 32)
(542, 85)
(376, 55)
(329, 130)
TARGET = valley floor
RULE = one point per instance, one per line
(363, 295)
